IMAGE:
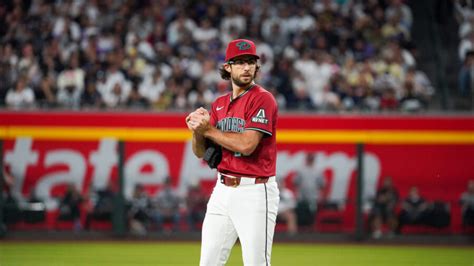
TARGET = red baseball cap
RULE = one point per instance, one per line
(240, 47)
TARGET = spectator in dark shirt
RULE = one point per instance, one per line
(414, 209)
(34, 210)
(135, 100)
(70, 206)
(139, 213)
(196, 204)
(466, 75)
(11, 206)
(411, 102)
(383, 210)
(103, 205)
(166, 206)
(91, 97)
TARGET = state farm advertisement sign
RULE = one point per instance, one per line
(45, 166)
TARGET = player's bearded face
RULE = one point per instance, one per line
(243, 71)
(243, 79)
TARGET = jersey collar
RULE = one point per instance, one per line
(242, 94)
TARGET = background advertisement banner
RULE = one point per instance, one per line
(46, 151)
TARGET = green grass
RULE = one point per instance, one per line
(172, 253)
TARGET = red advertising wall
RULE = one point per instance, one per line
(45, 151)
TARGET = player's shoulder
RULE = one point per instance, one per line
(260, 92)
(258, 89)
(222, 98)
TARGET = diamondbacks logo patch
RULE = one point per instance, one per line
(260, 117)
(243, 46)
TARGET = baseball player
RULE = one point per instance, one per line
(242, 125)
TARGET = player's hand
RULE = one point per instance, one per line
(202, 111)
(201, 124)
(201, 121)
(190, 122)
(198, 121)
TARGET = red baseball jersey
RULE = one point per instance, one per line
(255, 109)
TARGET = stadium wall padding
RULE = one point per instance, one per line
(46, 150)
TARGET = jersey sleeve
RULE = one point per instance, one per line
(261, 114)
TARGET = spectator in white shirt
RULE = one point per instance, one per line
(210, 75)
(404, 11)
(202, 96)
(71, 84)
(21, 95)
(182, 25)
(117, 97)
(286, 208)
(65, 26)
(116, 87)
(233, 19)
(205, 32)
(152, 87)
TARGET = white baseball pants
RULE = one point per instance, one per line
(247, 212)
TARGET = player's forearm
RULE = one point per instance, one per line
(199, 145)
(236, 142)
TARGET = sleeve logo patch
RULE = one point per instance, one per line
(260, 117)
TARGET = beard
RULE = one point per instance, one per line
(243, 82)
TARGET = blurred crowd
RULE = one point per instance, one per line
(335, 55)
(465, 18)
(304, 207)
(387, 213)
(163, 210)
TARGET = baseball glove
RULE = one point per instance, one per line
(213, 155)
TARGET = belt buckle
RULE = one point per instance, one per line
(235, 183)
